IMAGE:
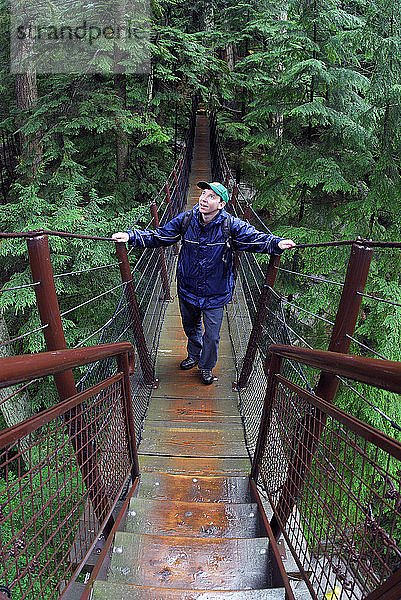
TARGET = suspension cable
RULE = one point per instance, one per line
(66, 312)
(63, 234)
(24, 335)
(85, 270)
(379, 299)
(21, 389)
(313, 277)
(376, 408)
(141, 215)
(365, 346)
(289, 327)
(20, 287)
(309, 313)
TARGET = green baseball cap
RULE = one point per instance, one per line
(216, 187)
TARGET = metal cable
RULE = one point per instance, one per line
(309, 313)
(376, 408)
(378, 299)
(260, 220)
(66, 312)
(20, 337)
(365, 346)
(106, 324)
(20, 287)
(85, 270)
(290, 328)
(141, 215)
(63, 234)
(313, 277)
(21, 389)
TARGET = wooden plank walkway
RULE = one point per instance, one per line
(192, 428)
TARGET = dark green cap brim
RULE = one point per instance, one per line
(217, 187)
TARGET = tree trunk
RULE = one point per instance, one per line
(230, 56)
(122, 140)
(120, 86)
(18, 408)
(278, 120)
(26, 97)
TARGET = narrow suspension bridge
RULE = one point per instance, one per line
(141, 483)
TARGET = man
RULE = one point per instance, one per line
(205, 268)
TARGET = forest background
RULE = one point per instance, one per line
(307, 95)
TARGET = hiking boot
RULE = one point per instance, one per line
(188, 363)
(207, 377)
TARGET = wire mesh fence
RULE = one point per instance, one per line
(61, 474)
(334, 484)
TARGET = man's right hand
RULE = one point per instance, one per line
(120, 236)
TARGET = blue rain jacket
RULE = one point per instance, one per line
(203, 278)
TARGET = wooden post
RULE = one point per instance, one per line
(123, 365)
(182, 184)
(227, 179)
(260, 317)
(234, 195)
(170, 207)
(126, 276)
(162, 261)
(177, 191)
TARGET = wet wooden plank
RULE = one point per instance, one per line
(193, 443)
(185, 488)
(194, 409)
(153, 426)
(103, 590)
(190, 563)
(194, 519)
(191, 385)
(194, 466)
(231, 434)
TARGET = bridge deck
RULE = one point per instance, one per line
(182, 409)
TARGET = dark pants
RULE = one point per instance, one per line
(203, 342)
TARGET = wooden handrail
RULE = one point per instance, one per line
(385, 374)
(17, 369)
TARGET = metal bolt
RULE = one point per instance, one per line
(194, 480)
(118, 549)
(263, 551)
(251, 515)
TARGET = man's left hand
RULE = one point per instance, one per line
(285, 244)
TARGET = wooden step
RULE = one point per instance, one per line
(194, 442)
(194, 466)
(153, 426)
(185, 488)
(103, 590)
(190, 563)
(193, 409)
(194, 519)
